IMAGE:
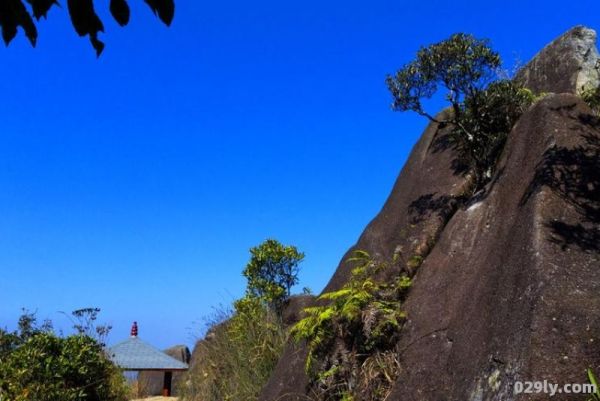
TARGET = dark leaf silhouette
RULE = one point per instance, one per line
(41, 7)
(86, 21)
(120, 11)
(14, 14)
(165, 9)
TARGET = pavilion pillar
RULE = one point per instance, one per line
(167, 384)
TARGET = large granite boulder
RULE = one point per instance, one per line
(293, 310)
(511, 291)
(567, 65)
(509, 286)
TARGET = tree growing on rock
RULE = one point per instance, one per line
(462, 64)
(484, 110)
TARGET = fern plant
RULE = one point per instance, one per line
(349, 331)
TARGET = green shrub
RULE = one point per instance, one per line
(36, 364)
(486, 118)
(352, 334)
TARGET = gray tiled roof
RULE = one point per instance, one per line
(134, 354)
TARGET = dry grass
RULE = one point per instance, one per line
(157, 399)
(238, 356)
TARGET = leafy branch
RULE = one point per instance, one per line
(15, 14)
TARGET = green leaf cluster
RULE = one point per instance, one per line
(485, 119)
(483, 109)
(461, 64)
(272, 271)
(36, 364)
(359, 321)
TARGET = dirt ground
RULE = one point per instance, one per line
(157, 399)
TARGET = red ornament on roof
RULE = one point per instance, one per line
(134, 330)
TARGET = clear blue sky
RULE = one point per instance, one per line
(137, 182)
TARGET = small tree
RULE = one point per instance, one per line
(462, 64)
(482, 113)
(272, 271)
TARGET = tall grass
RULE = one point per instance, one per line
(237, 356)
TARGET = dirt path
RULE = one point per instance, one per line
(157, 399)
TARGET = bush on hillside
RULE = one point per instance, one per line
(36, 364)
(486, 118)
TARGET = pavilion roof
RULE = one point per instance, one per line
(134, 354)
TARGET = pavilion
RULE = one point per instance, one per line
(135, 355)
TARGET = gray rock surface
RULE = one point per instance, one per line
(567, 65)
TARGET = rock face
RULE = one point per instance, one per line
(511, 291)
(568, 64)
(509, 288)
(151, 383)
(292, 312)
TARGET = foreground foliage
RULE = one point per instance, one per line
(483, 108)
(351, 337)
(36, 364)
(14, 14)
